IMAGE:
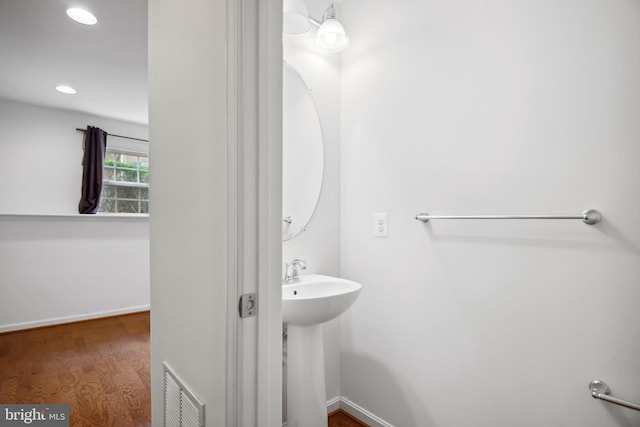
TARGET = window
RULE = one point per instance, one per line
(125, 185)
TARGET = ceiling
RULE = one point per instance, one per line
(40, 48)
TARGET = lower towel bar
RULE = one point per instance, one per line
(600, 390)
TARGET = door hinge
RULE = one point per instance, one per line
(248, 305)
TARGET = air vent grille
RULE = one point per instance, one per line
(181, 407)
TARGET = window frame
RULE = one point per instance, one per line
(114, 183)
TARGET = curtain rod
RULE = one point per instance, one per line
(119, 136)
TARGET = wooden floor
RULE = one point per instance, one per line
(99, 367)
(340, 418)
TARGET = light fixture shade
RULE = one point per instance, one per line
(331, 36)
(295, 18)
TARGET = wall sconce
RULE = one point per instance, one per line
(295, 17)
(331, 37)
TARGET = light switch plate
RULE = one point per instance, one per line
(380, 225)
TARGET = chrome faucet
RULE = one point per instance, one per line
(291, 272)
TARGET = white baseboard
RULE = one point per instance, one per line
(69, 319)
(357, 411)
(362, 414)
(333, 404)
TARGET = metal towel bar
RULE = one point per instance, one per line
(590, 217)
(600, 390)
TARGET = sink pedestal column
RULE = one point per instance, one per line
(306, 392)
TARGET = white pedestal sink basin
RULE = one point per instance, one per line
(305, 306)
(317, 299)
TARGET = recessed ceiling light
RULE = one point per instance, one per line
(82, 16)
(66, 89)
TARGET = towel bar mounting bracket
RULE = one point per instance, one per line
(598, 387)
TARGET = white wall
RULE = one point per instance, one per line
(477, 108)
(319, 244)
(187, 77)
(42, 152)
(55, 266)
(56, 269)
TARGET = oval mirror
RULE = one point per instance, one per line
(302, 154)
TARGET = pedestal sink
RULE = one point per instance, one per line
(305, 306)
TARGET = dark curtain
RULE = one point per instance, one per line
(95, 145)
